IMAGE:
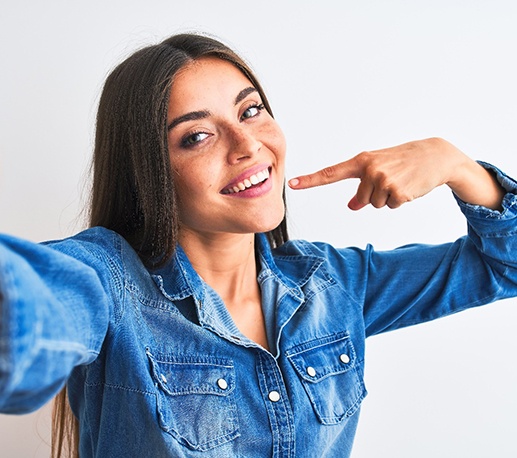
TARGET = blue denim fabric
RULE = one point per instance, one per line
(157, 368)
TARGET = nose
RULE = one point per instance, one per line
(243, 143)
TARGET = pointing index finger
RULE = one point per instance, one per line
(331, 174)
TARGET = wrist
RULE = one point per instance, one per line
(476, 185)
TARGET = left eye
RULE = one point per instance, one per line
(252, 111)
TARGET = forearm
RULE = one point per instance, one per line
(53, 317)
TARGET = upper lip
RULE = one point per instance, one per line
(246, 175)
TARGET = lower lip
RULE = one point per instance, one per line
(254, 191)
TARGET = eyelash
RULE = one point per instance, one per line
(258, 106)
(187, 142)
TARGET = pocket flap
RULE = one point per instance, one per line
(180, 375)
(321, 358)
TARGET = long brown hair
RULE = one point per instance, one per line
(133, 189)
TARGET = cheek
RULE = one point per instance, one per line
(192, 181)
(275, 140)
(189, 188)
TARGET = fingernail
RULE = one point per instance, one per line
(294, 182)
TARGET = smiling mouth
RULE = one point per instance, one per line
(254, 180)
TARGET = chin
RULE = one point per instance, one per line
(270, 223)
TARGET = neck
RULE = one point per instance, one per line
(226, 262)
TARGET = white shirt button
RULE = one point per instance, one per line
(344, 358)
(222, 383)
(311, 371)
(274, 396)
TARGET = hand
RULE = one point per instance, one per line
(393, 176)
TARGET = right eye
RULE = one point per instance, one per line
(193, 139)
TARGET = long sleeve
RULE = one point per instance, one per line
(418, 283)
(54, 311)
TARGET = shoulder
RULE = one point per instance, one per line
(325, 251)
(97, 242)
(100, 248)
(347, 266)
(84, 247)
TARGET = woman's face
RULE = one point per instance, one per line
(226, 151)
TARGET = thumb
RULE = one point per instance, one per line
(331, 174)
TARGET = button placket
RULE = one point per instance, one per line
(274, 396)
(277, 404)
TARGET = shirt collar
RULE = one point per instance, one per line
(177, 279)
(293, 271)
(282, 275)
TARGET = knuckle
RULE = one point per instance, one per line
(397, 198)
(329, 172)
(383, 179)
(435, 141)
(364, 158)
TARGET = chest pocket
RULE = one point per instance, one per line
(196, 402)
(331, 376)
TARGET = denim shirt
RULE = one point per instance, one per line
(157, 368)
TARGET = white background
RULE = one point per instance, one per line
(342, 77)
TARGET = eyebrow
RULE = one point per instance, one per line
(244, 93)
(192, 116)
(202, 114)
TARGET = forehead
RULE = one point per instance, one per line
(206, 80)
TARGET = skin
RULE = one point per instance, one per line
(393, 176)
(231, 136)
(218, 132)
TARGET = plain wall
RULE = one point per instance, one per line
(343, 77)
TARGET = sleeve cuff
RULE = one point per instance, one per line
(509, 202)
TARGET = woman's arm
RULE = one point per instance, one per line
(418, 283)
(54, 314)
(393, 176)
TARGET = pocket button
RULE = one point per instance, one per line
(222, 383)
(311, 372)
(344, 358)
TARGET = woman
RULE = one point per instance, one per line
(183, 322)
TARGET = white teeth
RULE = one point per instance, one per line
(264, 173)
(248, 182)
